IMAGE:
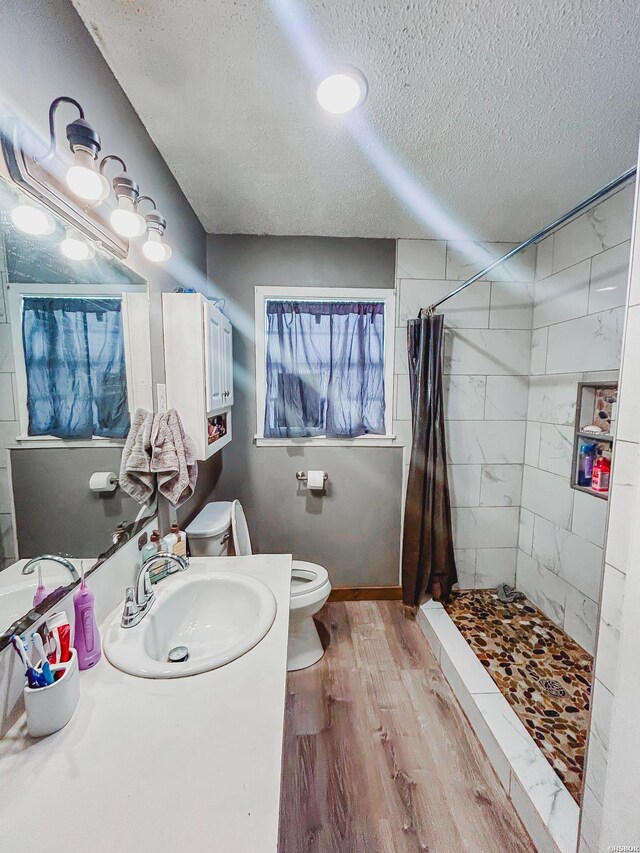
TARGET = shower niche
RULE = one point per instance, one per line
(593, 437)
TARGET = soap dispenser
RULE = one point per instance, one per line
(87, 638)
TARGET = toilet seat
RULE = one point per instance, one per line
(306, 577)
(240, 531)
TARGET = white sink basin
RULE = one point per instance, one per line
(218, 616)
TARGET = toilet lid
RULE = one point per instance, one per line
(306, 577)
(241, 538)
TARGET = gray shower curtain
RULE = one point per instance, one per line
(428, 563)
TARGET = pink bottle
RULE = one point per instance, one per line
(87, 638)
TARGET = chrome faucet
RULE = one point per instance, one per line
(29, 567)
(138, 599)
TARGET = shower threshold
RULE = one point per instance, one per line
(530, 660)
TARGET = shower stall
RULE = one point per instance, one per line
(533, 345)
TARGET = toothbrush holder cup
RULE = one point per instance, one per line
(50, 708)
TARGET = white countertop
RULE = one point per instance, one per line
(182, 765)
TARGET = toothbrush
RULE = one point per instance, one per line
(19, 649)
(32, 673)
(34, 679)
(25, 647)
(36, 641)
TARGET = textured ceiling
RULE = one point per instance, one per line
(501, 115)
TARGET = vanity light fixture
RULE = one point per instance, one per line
(83, 177)
(155, 249)
(341, 91)
(87, 180)
(125, 220)
(75, 247)
(32, 219)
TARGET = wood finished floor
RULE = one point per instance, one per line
(378, 756)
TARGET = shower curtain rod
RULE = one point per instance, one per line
(623, 178)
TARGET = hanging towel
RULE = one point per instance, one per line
(136, 477)
(173, 458)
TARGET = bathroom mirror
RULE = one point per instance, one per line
(75, 363)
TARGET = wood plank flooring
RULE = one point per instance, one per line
(378, 757)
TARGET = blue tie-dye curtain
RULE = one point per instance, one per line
(74, 359)
(325, 369)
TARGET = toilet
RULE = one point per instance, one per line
(210, 534)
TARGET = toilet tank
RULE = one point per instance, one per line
(209, 534)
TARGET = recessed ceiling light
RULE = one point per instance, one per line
(342, 91)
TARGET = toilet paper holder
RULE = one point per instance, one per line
(301, 475)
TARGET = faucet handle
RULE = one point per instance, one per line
(131, 609)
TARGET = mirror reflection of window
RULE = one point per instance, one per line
(75, 367)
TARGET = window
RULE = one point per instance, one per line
(324, 364)
(71, 347)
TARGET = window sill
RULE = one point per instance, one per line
(360, 441)
(43, 441)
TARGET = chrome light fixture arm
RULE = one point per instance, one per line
(79, 132)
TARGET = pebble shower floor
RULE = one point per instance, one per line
(542, 672)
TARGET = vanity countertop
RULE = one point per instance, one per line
(187, 764)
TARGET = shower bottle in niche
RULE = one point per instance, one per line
(601, 474)
(585, 464)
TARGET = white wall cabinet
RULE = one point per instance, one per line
(227, 362)
(198, 357)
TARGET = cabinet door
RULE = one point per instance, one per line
(227, 346)
(214, 357)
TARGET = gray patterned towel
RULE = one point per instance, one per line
(508, 594)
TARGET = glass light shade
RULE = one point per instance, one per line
(75, 248)
(32, 220)
(155, 250)
(84, 179)
(342, 92)
(125, 221)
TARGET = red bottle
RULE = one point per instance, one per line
(600, 475)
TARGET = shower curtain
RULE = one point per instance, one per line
(428, 563)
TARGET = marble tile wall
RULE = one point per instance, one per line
(487, 352)
(515, 350)
(8, 416)
(578, 315)
(610, 814)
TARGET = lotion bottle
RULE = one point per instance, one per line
(180, 545)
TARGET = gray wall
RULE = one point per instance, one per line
(47, 52)
(55, 510)
(355, 530)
